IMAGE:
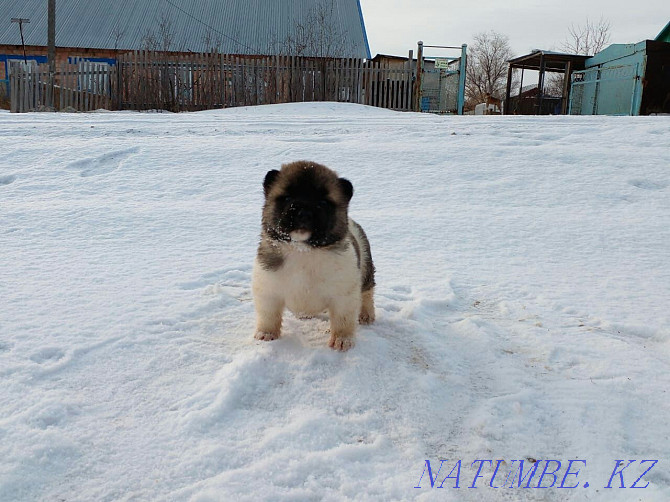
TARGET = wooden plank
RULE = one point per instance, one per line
(390, 78)
(79, 96)
(64, 88)
(277, 78)
(33, 95)
(60, 84)
(239, 82)
(351, 77)
(377, 86)
(13, 87)
(35, 87)
(373, 84)
(90, 89)
(85, 78)
(75, 87)
(20, 85)
(263, 87)
(360, 82)
(70, 86)
(28, 90)
(291, 82)
(312, 71)
(22, 88)
(395, 79)
(385, 86)
(196, 83)
(83, 86)
(224, 80)
(260, 81)
(19, 88)
(23, 83)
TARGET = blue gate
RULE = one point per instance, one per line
(441, 80)
(610, 90)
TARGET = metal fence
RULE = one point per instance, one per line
(189, 82)
(442, 80)
(612, 90)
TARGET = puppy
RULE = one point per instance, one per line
(312, 257)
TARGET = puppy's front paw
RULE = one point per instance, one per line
(264, 335)
(340, 343)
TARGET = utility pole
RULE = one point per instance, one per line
(20, 21)
(51, 35)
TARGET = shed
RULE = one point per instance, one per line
(624, 79)
(542, 62)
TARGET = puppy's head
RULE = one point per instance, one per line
(306, 202)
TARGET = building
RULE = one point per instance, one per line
(538, 100)
(97, 30)
(624, 79)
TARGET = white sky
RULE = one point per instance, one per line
(395, 26)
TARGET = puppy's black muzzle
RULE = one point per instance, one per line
(303, 218)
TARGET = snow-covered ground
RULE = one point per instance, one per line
(523, 299)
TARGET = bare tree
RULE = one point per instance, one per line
(487, 67)
(213, 41)
(162, 40)
(118, 33)
(318, 35)
(589, 38)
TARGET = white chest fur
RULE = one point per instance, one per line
(310, 280)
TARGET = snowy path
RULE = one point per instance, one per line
(522, 307)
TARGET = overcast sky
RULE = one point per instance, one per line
(394, 26)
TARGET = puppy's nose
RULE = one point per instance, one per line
(304, 216)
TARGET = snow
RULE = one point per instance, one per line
(522, 307)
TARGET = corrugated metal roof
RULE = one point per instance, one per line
(231, 26)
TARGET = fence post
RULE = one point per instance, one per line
(417, 82)
(461, 78)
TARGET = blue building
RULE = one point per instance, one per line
(624, 79)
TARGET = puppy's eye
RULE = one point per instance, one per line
(286, 200)
(322, 204)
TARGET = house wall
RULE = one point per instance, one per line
(39, 54)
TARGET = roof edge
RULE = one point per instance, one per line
(365, 33)
(664, 35)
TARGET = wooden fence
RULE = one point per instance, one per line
(77, 86)
(188, 82)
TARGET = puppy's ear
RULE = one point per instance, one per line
(269, 180)
(347, 188)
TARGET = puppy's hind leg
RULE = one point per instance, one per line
(269, 312)
(367, 314)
